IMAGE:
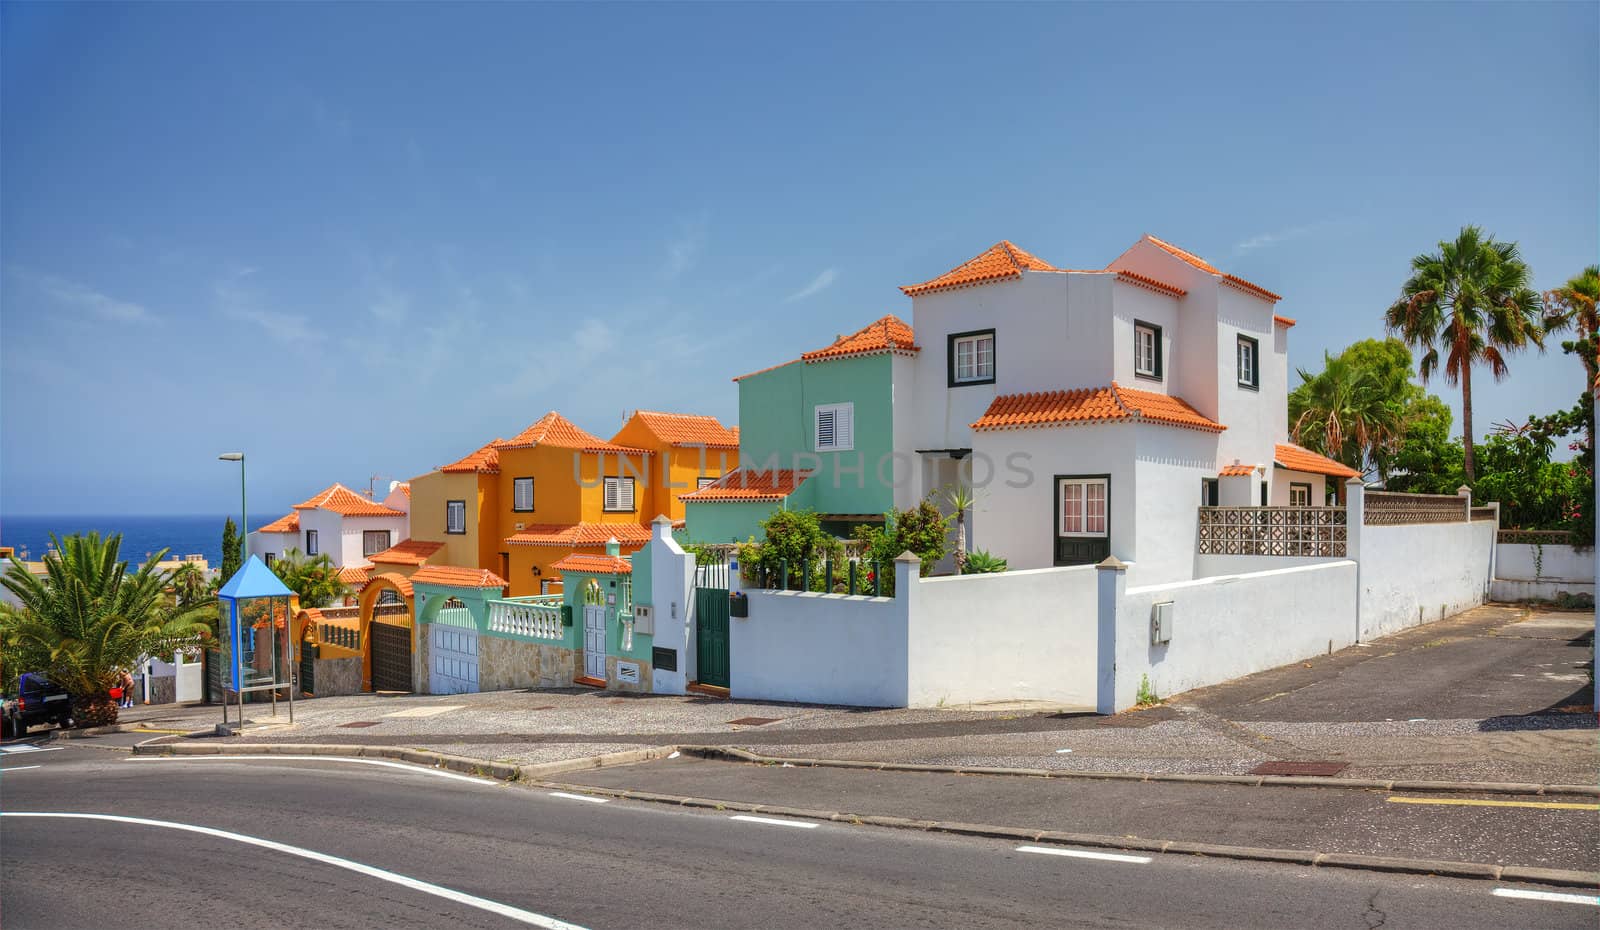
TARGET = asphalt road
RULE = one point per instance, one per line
(370, 846)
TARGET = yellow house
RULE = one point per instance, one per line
(517, 506)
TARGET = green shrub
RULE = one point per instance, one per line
(980, 562)
(1147, 695)
(794, 538)
(921, 530)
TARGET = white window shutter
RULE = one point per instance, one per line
(611, 494)
(625, 494)
(845, 427)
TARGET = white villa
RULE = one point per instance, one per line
(349, 527)
(1100, 409)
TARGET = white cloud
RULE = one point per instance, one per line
(685, 249)
(818, 284)
(1267, 240)
(85, 298)
(237, 302)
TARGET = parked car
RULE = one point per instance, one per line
(35, 702)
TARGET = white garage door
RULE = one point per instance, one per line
(453, 654)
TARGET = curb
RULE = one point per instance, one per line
(503, 771)
(734, 754)
(1473, 870)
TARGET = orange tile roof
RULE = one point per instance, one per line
(1209, 268)
(1160, 287)
(1283, 321)
(750, 485)
(689, 429)
(1000, 262)
(597, 564)
(343, 501)
(455, 576)
(289, 523)
(1299, 458)
(355, 577)
(1091, 405)
(407, 552)
(553, 429)
(485, 461)
(1236, 471)
(405, 488)
(576, 535)
(885, 334)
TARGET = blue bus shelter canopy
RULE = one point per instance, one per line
(254, 579)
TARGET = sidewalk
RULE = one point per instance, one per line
(1490, 695)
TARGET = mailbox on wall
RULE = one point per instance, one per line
(644, 619)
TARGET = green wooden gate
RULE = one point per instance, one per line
(711, 635)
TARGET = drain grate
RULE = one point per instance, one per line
(753, 721)
(360, 723)
(1300, 768)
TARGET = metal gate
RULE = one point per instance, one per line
(308, 667)
(453, 654)
(711, 619)
(391, 657)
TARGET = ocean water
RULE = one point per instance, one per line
(141, 535)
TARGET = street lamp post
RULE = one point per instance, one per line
(244, 513)
(244, 550)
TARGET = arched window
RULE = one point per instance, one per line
(591, 593)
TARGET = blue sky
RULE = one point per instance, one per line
(363, 239)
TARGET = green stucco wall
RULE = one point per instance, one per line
(776, 417)
(735, 521)
(573, 591)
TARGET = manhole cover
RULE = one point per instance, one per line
(360, 723)
(1299, 768)
(753, 721)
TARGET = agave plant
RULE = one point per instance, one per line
(89, 618)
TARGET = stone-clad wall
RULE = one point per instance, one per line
(613, 683)
(163, 689)
(504, 664)
(421, 669)
(334, 677)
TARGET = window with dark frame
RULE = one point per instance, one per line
(522, 495)
(374, 541)
(311, 542)
(271, 557)
(704, 482)
(972, 357)
(1146, 350)
(618, 495)
(455, 517)
(1084, 504)
(1299, 494)
(1249, 363)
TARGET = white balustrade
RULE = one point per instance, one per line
(517, 618)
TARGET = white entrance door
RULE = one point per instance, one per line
(594, 641)
(189, 679)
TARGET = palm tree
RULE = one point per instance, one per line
(1572, 306)
(90, 617)
(1346, 413)
(959, 498)
(190, 585)
(1472, 300)
(315, 578)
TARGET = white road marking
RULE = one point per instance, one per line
(1547, 896)
(426, 711)
(775, 822)
(1084, 854)
(578, 797)
(405, 881)
(1059, 751)
(18, 768)
(29, 747)
(403, 766)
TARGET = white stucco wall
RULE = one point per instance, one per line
(825, 649)
(909, 486)
(1519, 562)
(1027, 635)
(1210, 566)
(262, 543)
(1227, 627)
(1170, 465)
(670, 599)
(1132, 303)
(1418, 573)
(1283, 477)
(1016, 511)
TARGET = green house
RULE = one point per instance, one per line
(818, 433)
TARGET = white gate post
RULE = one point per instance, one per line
(1112, 580)
(1355, 510)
